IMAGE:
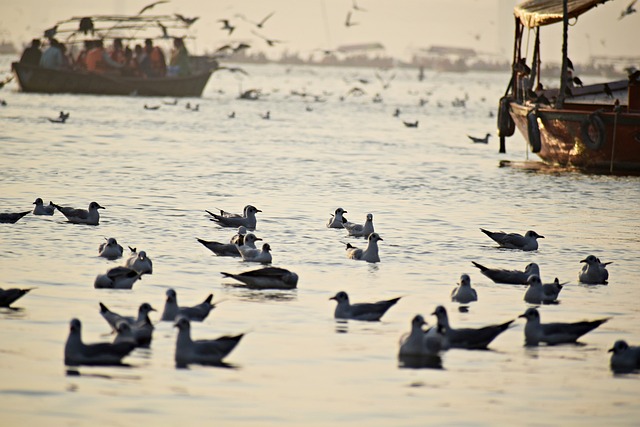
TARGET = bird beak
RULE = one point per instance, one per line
(523, 316)
(610, 350)
(334, 298)
(381, 239)
(101, 207)
(258, 238)
(258, 210)
(153, 309)
(540, 237)
(583, 260)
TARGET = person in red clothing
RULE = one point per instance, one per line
(99, 61)
(154, 63)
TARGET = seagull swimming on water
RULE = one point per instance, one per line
(467, 338)
(266, 278)
(41, 209)
(537, 293)
(528, 242)
(625, 358)
(110, 250)
(117, 278)
(221, 249)
(11, 218)
(247, 219)
(262, 255)
(593, 272)
(360, 311)
(337, 220)
(89, 216)
(510, 277)
(369, 254)
(196, 313)
(9, 296)
(464, 293)
(476, 140)
(360, 230)
(141, 327)
(140, 262)
(77, 353)
(204, 352)
(555, 333)
(418, 343)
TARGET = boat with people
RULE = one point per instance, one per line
(132, 65)
(593, 128)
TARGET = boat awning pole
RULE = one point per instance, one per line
(563, 71)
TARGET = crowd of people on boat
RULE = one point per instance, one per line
(141, 61)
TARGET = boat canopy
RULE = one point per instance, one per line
(536, 13)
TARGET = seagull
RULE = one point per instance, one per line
(607, 90)
(484, 140)
(248, 218)
(337, 220)
(411, 124)
(628, 10)
(261, 23)
(221, 249)
(11, 218)
(266, 116)
(256, 255)
(593, 272)
(124, 334)
(369, 254)
(149, 6)
(555, 333)
(151, 107)
(528, 242)
(188, 21)
(110, 250)
(233, 70)
(89, 216)
(467, 338)
(359, 230)
(113, 318)
(117, 278)
(78, 353)
(41, 209)
(232, 115)
(140, 263)
(9, 296)
(510, 277)
(360, 311)
(226, 25)
(625, 358)
(464, 293)
(347, 21)
(270, 42)
(419, 343)
(205, 352)
(266, 278)
(51, 32)
(537, 293)
(196, 313)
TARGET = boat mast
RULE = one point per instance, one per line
(563, 71)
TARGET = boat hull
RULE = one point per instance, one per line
(42, 80)
(562, 142)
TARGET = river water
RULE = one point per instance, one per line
(429, 189)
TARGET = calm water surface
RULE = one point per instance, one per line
(429, 190)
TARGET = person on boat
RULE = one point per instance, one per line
(155, 64)
(131, 67)
(81, 60)
(117, 52)
(99, 60)
(32, 54)
(179, 64)
(54, 58)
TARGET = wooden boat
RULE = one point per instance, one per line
(590, 128)
(42, 80)
(132, 29)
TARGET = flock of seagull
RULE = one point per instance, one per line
(418, 348)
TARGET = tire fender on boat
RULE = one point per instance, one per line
(533, 131)
(506, 125)
(593, 121)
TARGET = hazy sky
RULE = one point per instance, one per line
(402, 26)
